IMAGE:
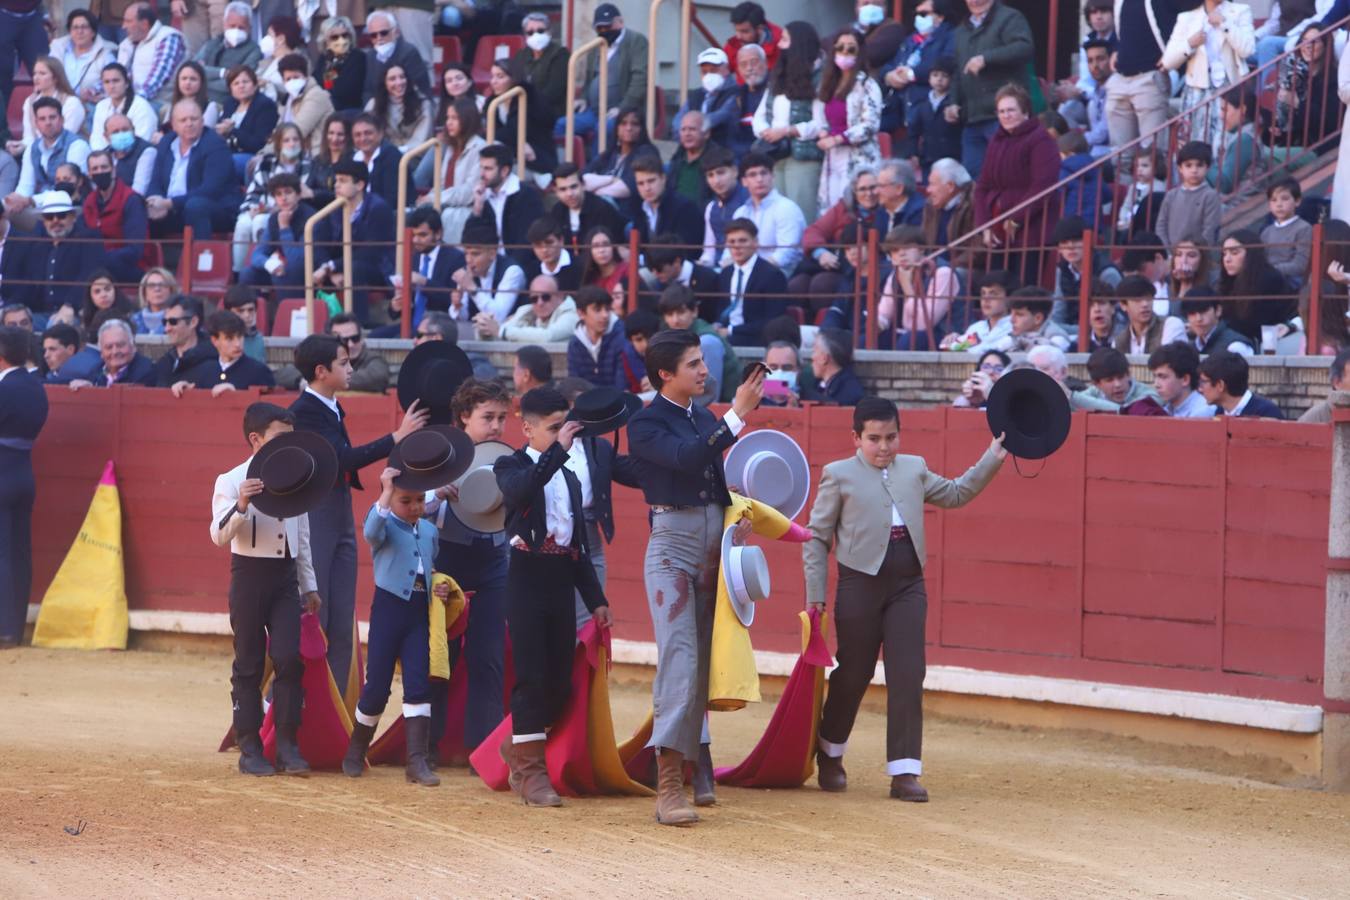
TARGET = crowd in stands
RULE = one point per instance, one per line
(795, 149)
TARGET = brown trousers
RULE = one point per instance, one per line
(883, 612)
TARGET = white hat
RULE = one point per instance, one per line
(712, 57)
(770, 467)
(54, 203)
(747, 575)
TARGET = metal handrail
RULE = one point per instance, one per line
(1097, 167)
(686, 14)
(337, 204)
(491, 114)
(603, 74)
(437, 180)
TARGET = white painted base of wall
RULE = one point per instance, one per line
(1272, 715)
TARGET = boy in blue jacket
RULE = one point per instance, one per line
(402, 547)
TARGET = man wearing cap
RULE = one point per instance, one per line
(679, 445)
(270, 569)
(715, 97)
(627, 70)
(869, 508)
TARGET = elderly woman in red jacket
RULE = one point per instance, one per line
(818, 276)
(1022, 161)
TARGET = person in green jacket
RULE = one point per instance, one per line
(678, 308)
(994, 47)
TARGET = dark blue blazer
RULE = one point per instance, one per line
(676, 214)
(252, 134)
(607, 466)
(680, 458)
(312, 414)
(210, 171)
(1257, 407)
(141, 372)
(246, 372)
(765, 279)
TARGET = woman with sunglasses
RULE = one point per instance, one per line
(542, 64)
(342, 67)
(788, 111)
(157, 288)
(847, 119)
(463, 140)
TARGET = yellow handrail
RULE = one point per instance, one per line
(437, 179)
(686, 16)
(314, 220)
(600, 114)
(491, 114)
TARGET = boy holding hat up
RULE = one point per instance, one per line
(270, 569)
(550, 560)
(869, 507)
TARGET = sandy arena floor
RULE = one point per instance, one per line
(125, 741)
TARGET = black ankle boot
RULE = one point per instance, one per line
(251, 758)
(354, 763)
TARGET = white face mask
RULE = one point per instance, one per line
(871, 15)
(713, 81)
(267, 45)
(384, 51)
(235, 36)
(923, 24)
(538, 41)
(294, 86)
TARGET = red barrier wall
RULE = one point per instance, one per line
(1165, 553)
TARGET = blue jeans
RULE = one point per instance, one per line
(975, 139)
(21, 37)
(479, 567)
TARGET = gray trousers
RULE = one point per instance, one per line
(597, 543)
(885, 612)
(680, 571)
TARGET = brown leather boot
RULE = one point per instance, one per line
(671, 806)
(830, 774)
(704, 781)
(535, 787)
(416, 770)
(907, 787)
(507, 751)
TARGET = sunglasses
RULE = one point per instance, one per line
(348, 341)
(379, 34)
(177, 320)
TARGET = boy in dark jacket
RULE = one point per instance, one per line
(599, 351)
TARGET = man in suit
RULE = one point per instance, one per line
(1223, 384)
(231, 369)
(578, 211)
(23, 412)
(505, 200)
(550, 563)
(380, 157)
(751, 284)
(193, 182)
(679, 446)
(880, 600)
(121, 362)
(323, 363)
(372, 237)
(657, 211)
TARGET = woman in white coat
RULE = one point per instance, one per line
(463, 140)
(1340, 188)
(1212, 43)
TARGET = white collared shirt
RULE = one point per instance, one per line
(330, 403)
(557, 503)
(576, 461)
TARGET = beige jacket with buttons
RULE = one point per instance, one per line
(852, 512)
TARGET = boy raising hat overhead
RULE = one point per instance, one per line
(269, 570)
(869, 507)
(550, 560)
